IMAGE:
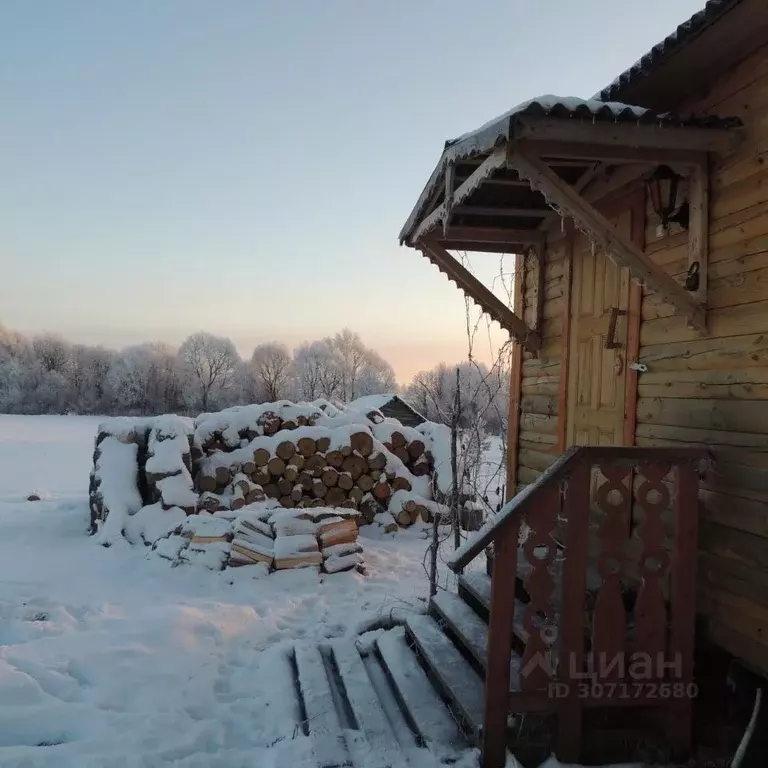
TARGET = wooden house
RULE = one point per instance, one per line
(640, 223)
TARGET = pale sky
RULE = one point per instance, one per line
(245, 166)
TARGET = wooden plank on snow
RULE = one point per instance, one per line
(365, 706)
(321, 717)
(428, 715)
(460, 683)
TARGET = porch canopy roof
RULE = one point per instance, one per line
(494, 189)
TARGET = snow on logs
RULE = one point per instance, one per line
(304, 457)
(267, 536)
(138, 462)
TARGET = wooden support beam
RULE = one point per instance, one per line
(496, 181)
(642, 268)
(698, 228)
(481, 295)
(497, 159)
(493, 235)
(450, 174)
(463, 245)
(583, 181)
(560, 153)
(477, 210)
(619, 134)
(620, 176)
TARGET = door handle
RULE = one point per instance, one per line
(610, 339)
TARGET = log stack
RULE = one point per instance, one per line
(302, 472)
(168, 466)
(409, 446)
(253, 541)
(115, 478)
(340, 549)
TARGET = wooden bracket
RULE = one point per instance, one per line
(497, 159)
(481, 295)
(567, 199)
(698, 229)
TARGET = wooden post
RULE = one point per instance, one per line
(683, 594)
(698, 226)
(637, 227)
(562, 400)
(500, 625)
(515, 385)
(576, 512)
(457, 481)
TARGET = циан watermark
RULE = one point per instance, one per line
(608, 676)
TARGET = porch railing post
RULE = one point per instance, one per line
(683, 594)
(576, 513)
(500, 627)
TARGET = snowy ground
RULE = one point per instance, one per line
(108, 657)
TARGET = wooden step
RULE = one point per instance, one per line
(475, 590)
(470, 632)
(461, 687)
(382, 746)
(424, 709)
(322, 722)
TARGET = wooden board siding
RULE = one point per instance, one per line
(539, 438)
(713, 389)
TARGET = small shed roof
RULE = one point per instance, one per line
(370, 402)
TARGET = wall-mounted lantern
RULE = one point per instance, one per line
(664, 189)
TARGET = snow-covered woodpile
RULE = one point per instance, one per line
(267, 535)
(281, 484)
(315, 455)
(139, 462)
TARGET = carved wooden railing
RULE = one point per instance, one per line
(609, 540)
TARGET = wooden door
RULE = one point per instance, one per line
(597, 366)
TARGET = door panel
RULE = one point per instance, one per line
(596, 374)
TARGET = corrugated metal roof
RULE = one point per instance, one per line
(501, 129)
(671, 44)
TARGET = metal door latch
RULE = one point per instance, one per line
(641, 367)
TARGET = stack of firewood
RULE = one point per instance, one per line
(253, 541)
(115, 479)
(305, 472)
(338, 544)
(408, 445)
(169, 464)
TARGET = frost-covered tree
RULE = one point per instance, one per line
(52, 352)
(271, 367)
(210, 363)
(317, 370)
(483, 393)
(354, 356)
(145, 379)
(376, 377)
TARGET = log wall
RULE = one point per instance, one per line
(713, 389)
(539, 442)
